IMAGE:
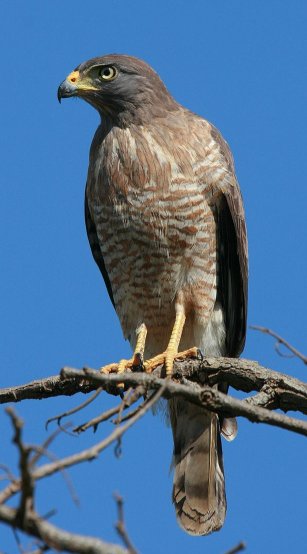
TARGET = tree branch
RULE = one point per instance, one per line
(280, 340)
(55, 537)
(43, 388)
(241, 374)
(210, 398)
(120, 525)
(27, 483)
(28, 520)
(85, 455)
(238, 548)
(192, 379)
(197, 377)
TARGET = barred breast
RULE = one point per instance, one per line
(151, 199)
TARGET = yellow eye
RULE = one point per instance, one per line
(108, 73)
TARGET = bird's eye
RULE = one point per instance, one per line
(108, 73)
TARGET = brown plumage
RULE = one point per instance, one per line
(166, 225)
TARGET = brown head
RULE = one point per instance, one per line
(122, 88)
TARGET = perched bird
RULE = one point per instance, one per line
(166, 226)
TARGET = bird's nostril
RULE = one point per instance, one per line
(73, 79)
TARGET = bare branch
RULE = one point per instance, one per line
(127, 401)
(44, 388)
(57, 538)
(74, 410)
(120, 525)
(7, 475)
(41, 451)
(205, 396)
(26, 518)
(238, 548)
(244, 375)
(85, 455)
(27, 482)
(281, 340)
(95, 421)
(43, 448)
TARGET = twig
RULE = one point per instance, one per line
(244, 375)
(94, 422)
(43, 448)
(129, 415)
(74, 410)
(280, 340)
(120, 525)
(27, 482)
(18, 542)
(132, 396)
(40, 451)
(208, 397)
(125, 403)
(85, 455)
(40, 549)
(7, 474)
(44, 388)
(289, 394)
(26, 519)
(58, 538)
(241, 546)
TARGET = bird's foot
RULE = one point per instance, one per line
(134, 364)
(167, 358)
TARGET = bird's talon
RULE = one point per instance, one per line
(200, 356)
(107, 369)
(138, 362)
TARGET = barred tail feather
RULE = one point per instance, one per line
(199, 487)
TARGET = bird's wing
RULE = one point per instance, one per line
(232, 253)
(96, 251)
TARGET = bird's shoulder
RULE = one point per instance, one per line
(180, 145)
(205, 132)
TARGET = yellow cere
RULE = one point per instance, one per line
(82, 83)
(73, 76)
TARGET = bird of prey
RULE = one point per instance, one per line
(165, 222)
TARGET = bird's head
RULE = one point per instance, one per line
(120, 87)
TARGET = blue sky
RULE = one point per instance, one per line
(242, 65)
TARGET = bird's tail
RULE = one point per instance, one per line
(199, 487)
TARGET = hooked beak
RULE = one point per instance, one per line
(68, 87)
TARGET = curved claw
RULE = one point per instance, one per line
(138, 362)
(167, 358)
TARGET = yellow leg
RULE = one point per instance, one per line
(138, 355)
(171, 352)
(167, 357)
(173, 344)
(137, 358)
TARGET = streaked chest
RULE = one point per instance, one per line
(147, 186)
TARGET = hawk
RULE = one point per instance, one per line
(166, 226)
